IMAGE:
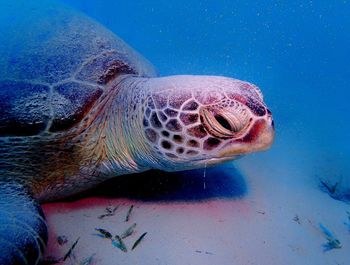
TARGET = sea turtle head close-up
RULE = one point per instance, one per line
(193, 121)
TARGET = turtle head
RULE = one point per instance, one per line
(190, 121)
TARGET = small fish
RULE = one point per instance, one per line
(129, 231)
(129, 213)
(119, 243)
(104, 233)
(71, 249)
(138, 241)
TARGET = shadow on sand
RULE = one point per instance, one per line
(223, 181)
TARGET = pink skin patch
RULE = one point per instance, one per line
(254, 132)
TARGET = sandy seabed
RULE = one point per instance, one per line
(263, 210)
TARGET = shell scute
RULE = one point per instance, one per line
(24, 108)
(70, 102)
(105, 68)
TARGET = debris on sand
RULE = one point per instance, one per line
(127, 218)
(137, 242)
(88, 260)
(118, 239)
(109, 211)
(347, 223)
(335, 190)
(332, 241)
(70, 251)
(129, 231)
(297, 219)
(204, 252)
(119, 243)
(61, 240)
(330, 188)
(104, 233)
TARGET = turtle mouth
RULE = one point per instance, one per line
(216, 160)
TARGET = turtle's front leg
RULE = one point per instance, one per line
(23, 231)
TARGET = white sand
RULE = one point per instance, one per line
(257, 228)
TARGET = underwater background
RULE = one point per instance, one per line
(287, 205)
(297, 52)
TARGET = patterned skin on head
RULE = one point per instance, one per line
(205, 119)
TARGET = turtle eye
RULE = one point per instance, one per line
(223, 122)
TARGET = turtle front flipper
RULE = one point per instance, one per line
(23, 231)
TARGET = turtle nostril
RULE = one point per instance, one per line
(223, 122)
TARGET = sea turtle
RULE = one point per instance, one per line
(79, 106)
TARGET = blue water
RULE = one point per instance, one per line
(297, 52)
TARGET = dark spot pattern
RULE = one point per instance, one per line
(162, 116)
(173, 125)
(170, 112)
(180, 150)
(192, 105)
(256, 107)
(151, 135)
(192, 152)
(188, 118)
(165, 133)
(148, 112)
(211, 143)
(171, 155)
(178, 138)
(197, 131)
(192, 143)
(150, 103)
(166, 145)
(155, 121)
(145, 122)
